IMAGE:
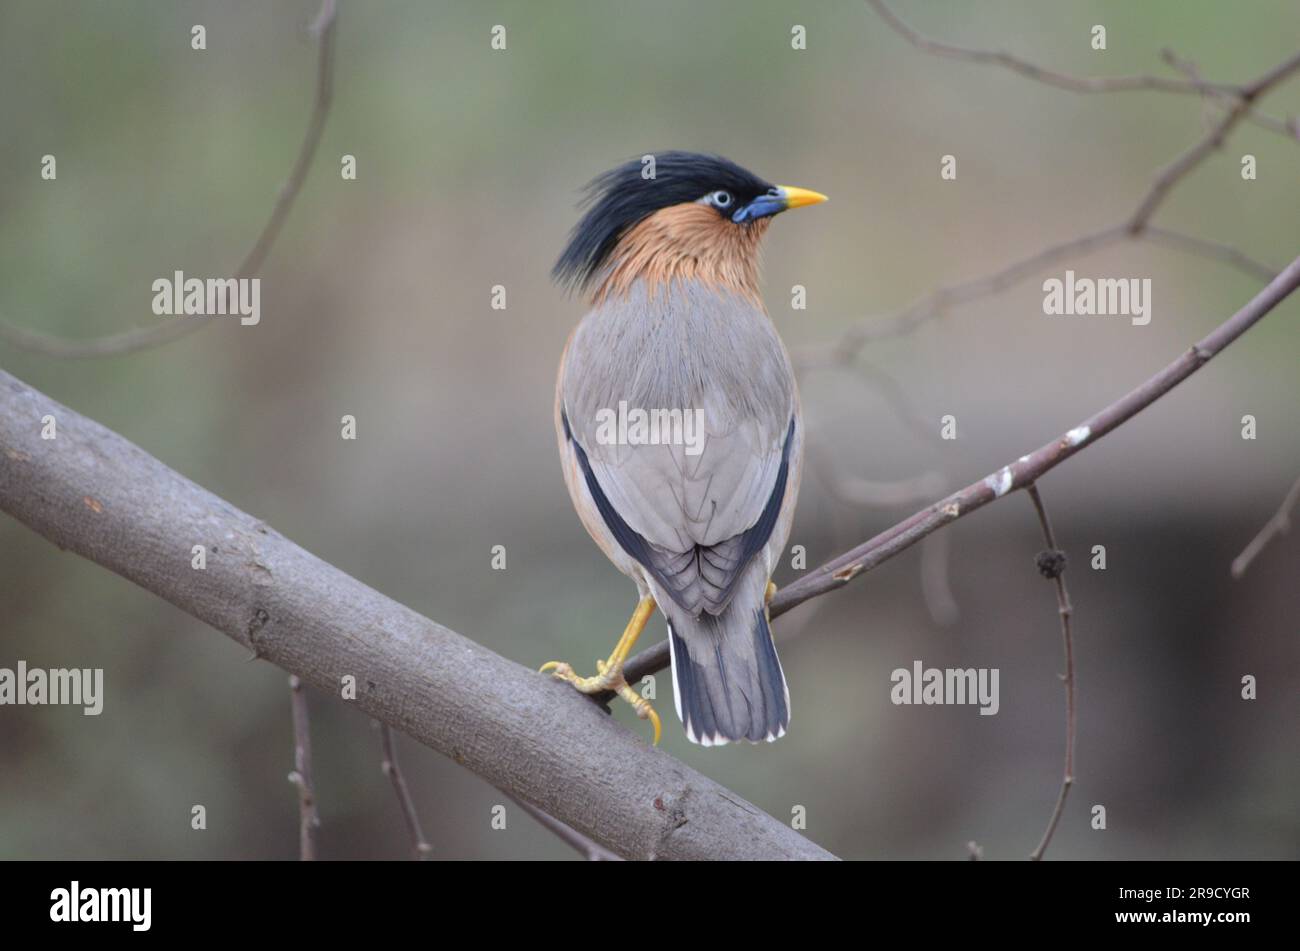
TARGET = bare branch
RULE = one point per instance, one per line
(1239, 100)
(1052, 564)
(1212, 250)
(839, 571)
(143, 338)
(1087, 84)
(524, 733)
(1279, 524)
(939, 301)
(308, 817)
(1179, 168)
(420, 846)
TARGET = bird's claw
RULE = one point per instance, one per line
(608, 677)
(644, 709)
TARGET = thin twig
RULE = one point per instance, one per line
(1287, 127)
(1054, 567)
(1213, 250)
(308, 817)
(939, 301)
(1279, 524)
(419, 844)
(1240, 101)
(590, 850)
(1181, 166)
(143, 338)
(1042, 74)
(1223, 93)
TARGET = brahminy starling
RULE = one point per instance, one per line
(680, 431)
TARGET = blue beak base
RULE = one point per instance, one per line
(777, 199)
(761, 207)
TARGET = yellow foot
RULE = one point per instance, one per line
(609, 673)
(771, 593)
(608, 679)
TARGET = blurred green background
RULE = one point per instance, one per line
(375, 302)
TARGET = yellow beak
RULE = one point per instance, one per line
(800, 197)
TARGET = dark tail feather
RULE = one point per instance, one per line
(727, 680)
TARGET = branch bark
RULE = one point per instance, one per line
(93, 492)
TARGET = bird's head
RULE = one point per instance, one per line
(685, 216)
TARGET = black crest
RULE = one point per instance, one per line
(622, 197)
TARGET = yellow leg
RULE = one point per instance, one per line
(609, 673)
(771, 593)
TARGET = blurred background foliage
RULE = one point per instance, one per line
(376, 303)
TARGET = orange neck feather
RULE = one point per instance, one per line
(687, 242)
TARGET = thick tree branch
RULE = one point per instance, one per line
(838, 572)
(91, 491)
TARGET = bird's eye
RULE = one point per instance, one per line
(721, 198)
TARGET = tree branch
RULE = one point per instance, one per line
(1239, 102)
(142, 338)
(838, 572)
(1042, 74)
(420, 846)
(308, 816)
(1052, 565)
(1279, 524)
(91, 491)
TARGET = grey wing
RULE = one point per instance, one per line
(693, 523)
(692, 520)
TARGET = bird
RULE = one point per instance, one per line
(680, 432)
